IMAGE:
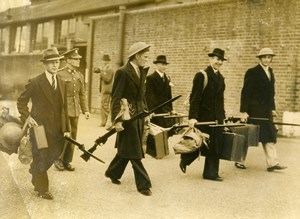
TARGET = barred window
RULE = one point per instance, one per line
(40, 36)
(67, 30)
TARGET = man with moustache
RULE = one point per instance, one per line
(46, 92)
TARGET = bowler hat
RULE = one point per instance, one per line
(72, 54)
(265, 51)
(136, 48)
(105, 58)
(161, 59)
(218, 52)
(51, 54)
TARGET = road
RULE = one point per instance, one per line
(86, 193)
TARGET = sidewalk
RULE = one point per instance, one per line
(86, 193)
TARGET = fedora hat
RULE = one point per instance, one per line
(218, 52)
(161, 59)
(136, 48)
(105, 58)
(51, 54)
(72, 54)
(265, 51)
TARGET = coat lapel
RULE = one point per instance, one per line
(46, 88)
(132, 75)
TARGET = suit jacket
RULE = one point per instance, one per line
(76, 93)
(257, 99)
(208, 104)
(129, 86)
(44, 109)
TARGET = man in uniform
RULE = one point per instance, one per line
(76, 100)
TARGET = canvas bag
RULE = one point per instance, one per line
(25, 149)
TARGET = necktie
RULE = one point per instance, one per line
(53, 82)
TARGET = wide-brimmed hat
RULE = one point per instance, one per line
(161, 59)
(72, 54)
(265, 51)
(218, 52)
(105, 58)
(136, 48)
(51, 54)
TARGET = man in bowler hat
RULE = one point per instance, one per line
(207, 104)
(258, 101)
(76, 101)
(159, 90)
(47, 94)
(129, 84)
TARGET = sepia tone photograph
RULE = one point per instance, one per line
(149, 109)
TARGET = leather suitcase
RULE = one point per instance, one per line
(40, 136)
(233, 146)
(251, 133)
(157, 142)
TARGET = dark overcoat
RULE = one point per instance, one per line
(208, 104)
(257, 99)
(158, 91)
(129, 86)
(43, 110)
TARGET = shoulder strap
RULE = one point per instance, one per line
(205, 79)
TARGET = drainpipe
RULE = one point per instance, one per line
(121, 35)
(90, 56)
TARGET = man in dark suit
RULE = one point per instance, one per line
(76, 101)
(208, 105)
(129, 84)
(258, 103)
(159, 90)
(46, 92)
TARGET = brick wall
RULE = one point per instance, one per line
(186, 33)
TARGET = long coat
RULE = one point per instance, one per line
(129, 86)
(257, 99)
(43, 110)
(158, 91)
(208, 104)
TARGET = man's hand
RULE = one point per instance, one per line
(67, 134)
(192, 122)
(87, 115)
(244, 117)
(274, 113)
(31, 122)
(118, 126)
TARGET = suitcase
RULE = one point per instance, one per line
(251, 133)
(40, 136)
(157, 142)
(232, 147)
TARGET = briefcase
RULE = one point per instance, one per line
(40, 136)
(251, 133)
(232, 146)
(157, 142)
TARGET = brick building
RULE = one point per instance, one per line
(185, 31)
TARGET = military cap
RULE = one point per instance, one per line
(136, 48)
(72, 54)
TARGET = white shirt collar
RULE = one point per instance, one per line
(49, 77)
(161, 74)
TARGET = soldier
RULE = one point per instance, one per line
(76, 101)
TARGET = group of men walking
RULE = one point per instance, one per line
(58, 97)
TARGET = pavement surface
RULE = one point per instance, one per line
(87, 193)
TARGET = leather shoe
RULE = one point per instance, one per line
(59, 165)
(46, 195)
(182, 166)
(69, 167)
(276, 167)
(145, 192)
(219, 179)
(240, 165)
(113, 180)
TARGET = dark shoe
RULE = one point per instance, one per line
(182, 166)
(276, 167)
(145, 192)
(219, 179)
(69, 167)
(240, 165)
(46, 195)
(59, 165)
(113, 180)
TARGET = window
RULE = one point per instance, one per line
(19, 41)
(40, 36)
(2, 39)
(67, 30)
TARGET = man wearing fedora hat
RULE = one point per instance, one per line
(47, 94)
(76, 101)
(159, 90)
(207, 104)
(105, 86)
(258, 104)
(129, 84)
